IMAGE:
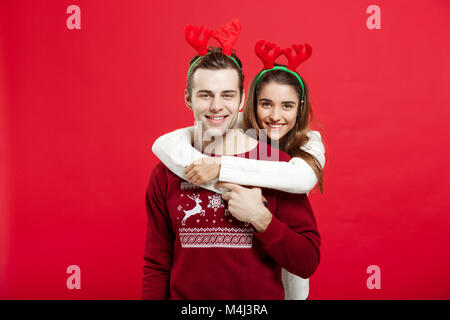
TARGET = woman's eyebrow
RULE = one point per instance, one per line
(288, 102)
(265, 99)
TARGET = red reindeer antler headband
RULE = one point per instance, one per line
(226, 35)
(263, 49)
(192, 35)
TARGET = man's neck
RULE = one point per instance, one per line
(233, 142)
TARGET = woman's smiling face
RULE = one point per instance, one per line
(277, 109)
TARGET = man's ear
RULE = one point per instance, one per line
(187, 99)
(242, 104)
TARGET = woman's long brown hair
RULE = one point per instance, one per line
(296, 137)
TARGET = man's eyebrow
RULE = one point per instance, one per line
(204, 91)
(211, 92)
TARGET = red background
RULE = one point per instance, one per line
(79, 110)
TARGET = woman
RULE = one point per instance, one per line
(278, 103)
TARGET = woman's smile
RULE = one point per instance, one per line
(275, 126)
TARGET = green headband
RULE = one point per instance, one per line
(284, 69)
(196, 60)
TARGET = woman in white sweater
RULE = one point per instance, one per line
(279, 104)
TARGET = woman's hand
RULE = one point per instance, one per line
(246, 205)
(203, 170)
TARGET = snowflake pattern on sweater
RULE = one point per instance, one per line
(215, 201)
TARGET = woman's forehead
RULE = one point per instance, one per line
(278, 92)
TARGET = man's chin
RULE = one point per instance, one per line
(214, 132)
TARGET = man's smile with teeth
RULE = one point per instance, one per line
(216, 117)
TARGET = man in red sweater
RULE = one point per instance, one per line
(195, 248)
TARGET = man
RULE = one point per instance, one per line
(195, 248)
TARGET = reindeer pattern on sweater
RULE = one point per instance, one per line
(204, 221)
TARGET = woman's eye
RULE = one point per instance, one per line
(228, 96)
(265, 105)
(288, 106)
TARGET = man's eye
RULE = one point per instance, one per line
(228, 96)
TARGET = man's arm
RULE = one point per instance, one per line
(159, 239)
(291, 238)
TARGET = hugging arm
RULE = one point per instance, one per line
(295, 176)
(175, 150)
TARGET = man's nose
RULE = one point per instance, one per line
(216, 105)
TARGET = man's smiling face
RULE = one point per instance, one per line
(215, 99)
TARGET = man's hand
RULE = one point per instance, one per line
(203, 170)
(246, 205)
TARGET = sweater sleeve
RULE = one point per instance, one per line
(159, 239)
(315, 146)
(292, 238)
(295, 176)
(175, 150)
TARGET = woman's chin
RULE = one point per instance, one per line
(274, 136)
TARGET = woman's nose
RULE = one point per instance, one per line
(275, 114)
